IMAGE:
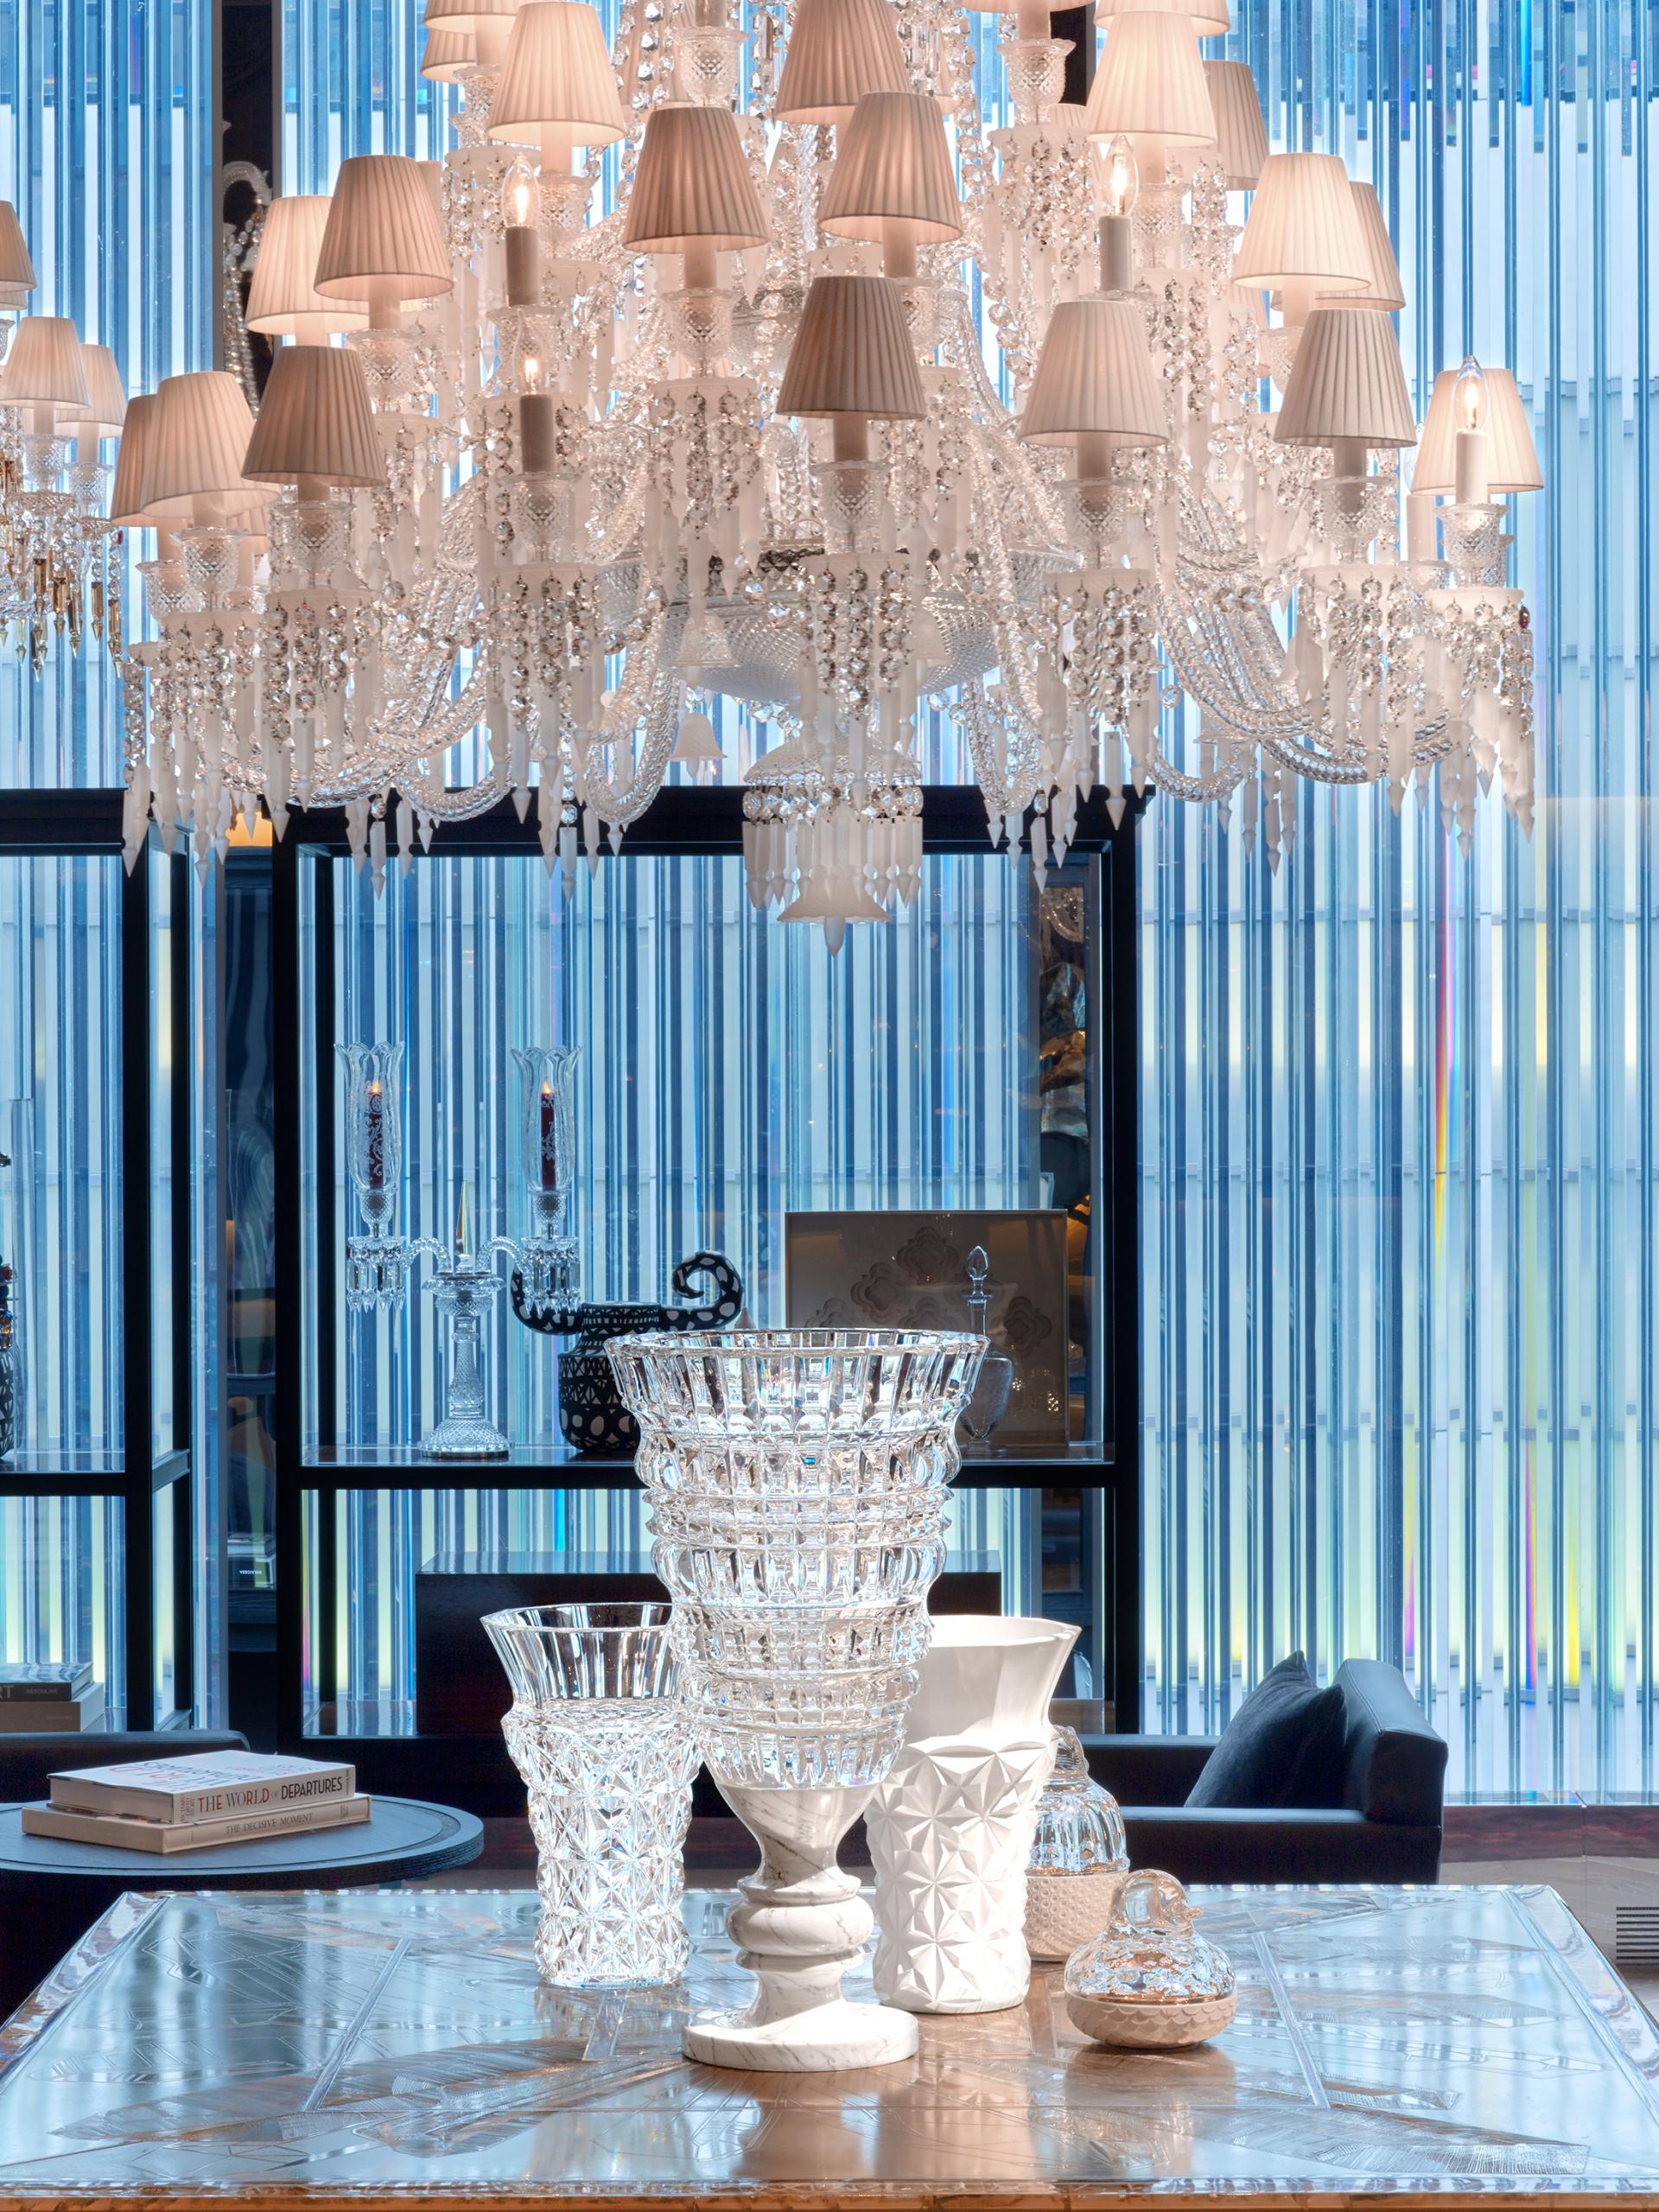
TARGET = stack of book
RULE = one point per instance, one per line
(186, 1804)
(57, 1698)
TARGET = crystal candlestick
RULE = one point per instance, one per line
(599, 1733)
(798, 1480)
(463, 1290)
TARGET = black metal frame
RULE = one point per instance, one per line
(88, 822)
(682, 820)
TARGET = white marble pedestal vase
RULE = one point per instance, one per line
(797, 1483)
(951, 1827)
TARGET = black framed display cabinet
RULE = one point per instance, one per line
(109, 1538)
(731, 1077)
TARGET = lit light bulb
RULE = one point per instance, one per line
(1120, 178)
(532, 372)
(521, 195)
(1469, 396)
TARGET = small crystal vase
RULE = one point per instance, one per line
(599, 1733)
(951, 1827)
(796, 1479)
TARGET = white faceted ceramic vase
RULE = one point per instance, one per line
(950, 1826)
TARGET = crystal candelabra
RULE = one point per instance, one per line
(463, 1282)
(577, 474)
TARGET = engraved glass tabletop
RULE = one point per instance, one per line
(366, 2047)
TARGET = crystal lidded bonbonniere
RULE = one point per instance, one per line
(1149, 1982)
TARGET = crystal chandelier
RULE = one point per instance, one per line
(575, 478)
(58, 397)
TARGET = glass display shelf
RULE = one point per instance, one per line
(24, 1470)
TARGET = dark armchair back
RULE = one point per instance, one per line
(1395, 1762)
(1381, 1822)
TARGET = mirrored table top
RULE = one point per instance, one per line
(365, 2047)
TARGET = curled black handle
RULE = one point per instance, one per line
(723, 1289)
(724, 1292)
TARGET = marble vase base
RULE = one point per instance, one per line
(799, 1923)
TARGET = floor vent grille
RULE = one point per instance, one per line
(1636, 1938)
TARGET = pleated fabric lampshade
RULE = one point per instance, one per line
(1347, 383)
(446, 55)
(1209, 19)
(106, 399)
(1382, 289)
(557, 79)
(44, 367)
(1095, 378)
(1513, 458)
(195, 442)
(487, 22)
(16, 270)
(893, 182)
(838, 51)
(282, 299)
(383, 241)
(1241, 129)
(315, 419)
(1303, 237)
(692, 188)
(1150, 86)
(853, 354)
(126, 492)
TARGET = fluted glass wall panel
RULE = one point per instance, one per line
(59, 1206)
(107, 132)
(732, 1070)
(1399, 1100)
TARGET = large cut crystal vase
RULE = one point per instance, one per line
(797, 1480)
(597, 1728)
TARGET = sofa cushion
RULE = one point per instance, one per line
(1285, 1746)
